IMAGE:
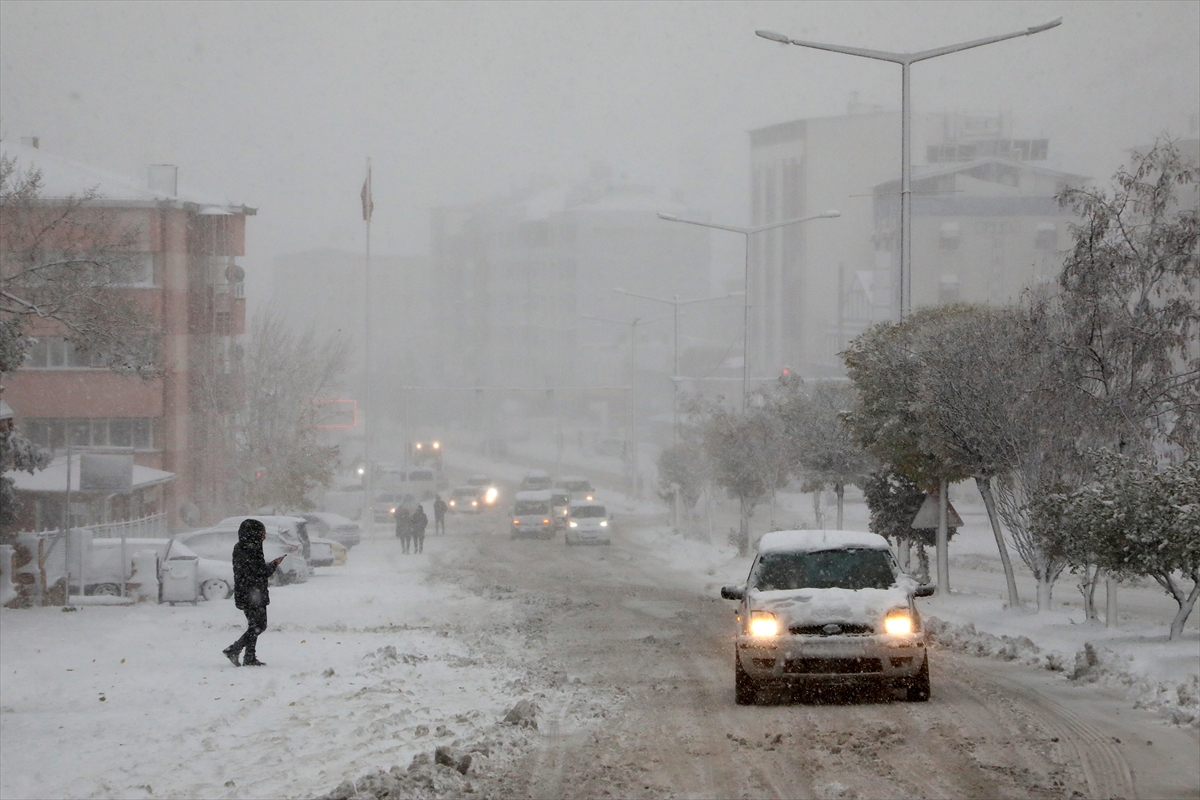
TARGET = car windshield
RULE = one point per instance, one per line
(585, 512)
(464, 493)
(824, 569)
(579, 486)
(479, 480)
(531, 507)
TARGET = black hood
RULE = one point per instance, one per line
(251, 532)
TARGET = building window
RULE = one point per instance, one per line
(1046, 237)
(55, 352)
(52, 434)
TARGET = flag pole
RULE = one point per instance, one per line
(368, 514)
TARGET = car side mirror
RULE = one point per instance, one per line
(733, 592)
(925, 590)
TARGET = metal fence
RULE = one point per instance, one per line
(151, 527)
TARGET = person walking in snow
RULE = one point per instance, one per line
(439, 515)
(251, 574)
(403, 527)
(419, 523)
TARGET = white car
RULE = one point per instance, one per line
(588, 523)
(325, 552)
(334, 526)
(828, 607)
(104, 573)
(217, 543)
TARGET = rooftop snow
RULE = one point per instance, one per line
(819, 540)
(54, 477)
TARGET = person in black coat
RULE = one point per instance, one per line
(403, 527)
(251, 574)
(419, 523)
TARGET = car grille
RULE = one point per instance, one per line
(843, 629)
(832, 666)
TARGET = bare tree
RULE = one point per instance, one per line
(272, 435)
(65, 266)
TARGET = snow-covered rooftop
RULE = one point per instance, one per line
(54, 477)
(62, 178)
(799, 541)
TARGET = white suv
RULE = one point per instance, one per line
(828, 607)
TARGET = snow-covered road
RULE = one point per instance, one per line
(625, 649)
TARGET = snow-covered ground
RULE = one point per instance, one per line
(370, 665)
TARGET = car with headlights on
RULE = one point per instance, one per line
(828, 608)
(487, 487)
(532, 516)
(466, 500)
(588, 523)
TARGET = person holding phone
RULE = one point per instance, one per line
(251, 574)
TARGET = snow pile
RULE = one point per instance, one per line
(1176, 699)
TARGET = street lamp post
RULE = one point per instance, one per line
(633, 448)
(675, 304)
(747, 232)
(905, 60)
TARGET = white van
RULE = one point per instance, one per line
(532, 515)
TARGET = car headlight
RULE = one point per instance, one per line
(491, 495)
(474, 502)
(516, 522)
(898, 623)
(452, 502)
(574, 524)
(590, 498)
(763, 623)
(603, 523)
(545, 522)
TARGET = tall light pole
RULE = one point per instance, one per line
(675, 304)
(905, 60)
(747, 232)
(633, 448)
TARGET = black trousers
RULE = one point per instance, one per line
(418, 542)
(256, 623)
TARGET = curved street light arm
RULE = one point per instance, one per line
(913, 58)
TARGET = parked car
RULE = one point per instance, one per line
(328, 525)
(531, 515)
(488, 488)
(217, 543)
(579, 487)
(104, 573)
(828, 607)
(288, 526)
(466, 500)
(588, 523)
(536, 481)
(326, 553)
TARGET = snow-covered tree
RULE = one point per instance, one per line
(65, 266)
(273, 435)
(1133, 519)
(1130, 296)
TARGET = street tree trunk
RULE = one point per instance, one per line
(743, 527)
(840, 489)
(943, 540)
(989, 502)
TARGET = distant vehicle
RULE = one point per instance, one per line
(560, 502)
(828, 607)
(427, 452)
(588, 523)
(422, 482)
(386, 503)
(104, 573)
(491, 492)
(536, 481)
(466, 500)
(217, 543)
(532, 516)
(346, 532)
(295, 527)
(579, 487)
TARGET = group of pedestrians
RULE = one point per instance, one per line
(410, 528)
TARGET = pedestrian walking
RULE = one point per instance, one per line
(419, 523)
(439, 515)
(403, 528)
(251, 575)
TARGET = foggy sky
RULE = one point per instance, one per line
(277, 105)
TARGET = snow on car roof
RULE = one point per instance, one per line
(800, 541)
